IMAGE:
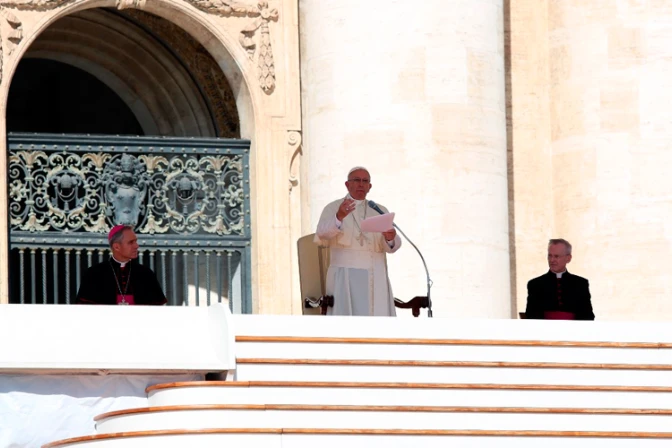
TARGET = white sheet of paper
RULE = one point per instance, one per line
(380, 223)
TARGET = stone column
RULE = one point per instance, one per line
(611, 131)
(415, 92)
(531, 177)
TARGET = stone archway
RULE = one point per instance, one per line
(245, 40)
(164, 76)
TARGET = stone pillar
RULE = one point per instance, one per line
(531, 177)
(415, 92)
(611, 130)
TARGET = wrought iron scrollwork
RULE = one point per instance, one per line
(69, 191)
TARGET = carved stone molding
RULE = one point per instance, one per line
(34, 5)
(201, 65)
(16, 33)
(294, 140)
(261, 12)
(130, 4)
(263, 15)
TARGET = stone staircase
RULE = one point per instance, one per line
(314, 381)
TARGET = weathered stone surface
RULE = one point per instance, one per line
(415, 92)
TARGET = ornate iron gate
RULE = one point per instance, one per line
(188, 200)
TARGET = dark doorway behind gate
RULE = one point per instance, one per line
(80, 105)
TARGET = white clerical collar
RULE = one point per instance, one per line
(357, 201)
(559, 274)
(119, 262)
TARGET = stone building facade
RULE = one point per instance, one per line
(489, 126)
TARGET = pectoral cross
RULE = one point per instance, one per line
(361, 236)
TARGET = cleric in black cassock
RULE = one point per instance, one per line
(121, 280)
(559, 295)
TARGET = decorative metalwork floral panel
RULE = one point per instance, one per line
(159, 187)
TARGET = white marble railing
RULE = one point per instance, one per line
(115, 339)
(301, 381)
(63, 365)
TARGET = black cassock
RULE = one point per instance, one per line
(104, 282)
(570, 294)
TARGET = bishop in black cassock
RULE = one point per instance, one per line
(559, 295)
(121, 280)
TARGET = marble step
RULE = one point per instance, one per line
(505, 372)
(383, 417)
(408, 394)
(310, 438)
(511, 350)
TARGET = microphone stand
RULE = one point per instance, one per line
(374, 206)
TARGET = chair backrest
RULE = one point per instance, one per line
(313, 265)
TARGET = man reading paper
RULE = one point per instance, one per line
(357, 276)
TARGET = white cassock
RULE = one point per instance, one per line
(357, 275)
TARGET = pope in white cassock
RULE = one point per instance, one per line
(357, 275)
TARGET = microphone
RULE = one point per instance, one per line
(375, 206)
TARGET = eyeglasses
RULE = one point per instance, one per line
(360, 181)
